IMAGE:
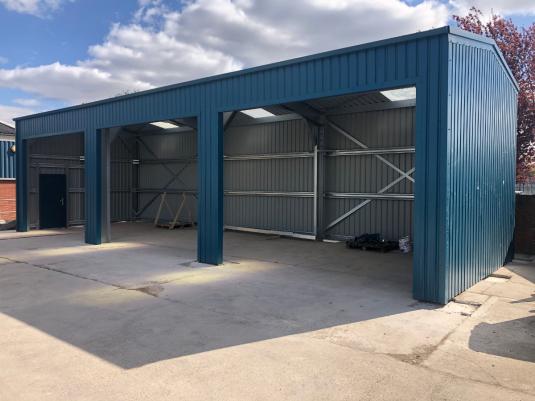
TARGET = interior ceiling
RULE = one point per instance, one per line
(320, 106)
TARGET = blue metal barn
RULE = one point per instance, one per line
(453, 155)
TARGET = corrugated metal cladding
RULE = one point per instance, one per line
(367, 174)
(7, 160)
(163, 157)
(64, 155)
(421, 59)
(481, 160)
(270, 206)
(277, 193)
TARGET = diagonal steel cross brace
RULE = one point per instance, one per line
(174, 176)
(362, 204)
(364, 146)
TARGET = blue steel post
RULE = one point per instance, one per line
(22, 183)
(93, 186)
(430, 174)
(210, 214)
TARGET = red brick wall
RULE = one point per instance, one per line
(525, 224)
(7, 200)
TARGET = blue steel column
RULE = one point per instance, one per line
(22, 183)
(430, 175)
(210, 209)
(93, 186)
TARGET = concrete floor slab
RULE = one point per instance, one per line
(139, 319)
(496, 345)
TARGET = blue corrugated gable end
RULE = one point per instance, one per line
(7, 160)
(480, 163)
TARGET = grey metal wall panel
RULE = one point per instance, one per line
(58, 155)
(377, 129)
(391, 218)
(288, 175)
(367, 174)
(61, 155)
(287, 214)
(170, 146)
(481, 166)
(280, 137)
(158, 164)
(344, 174)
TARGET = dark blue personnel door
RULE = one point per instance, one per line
(52, 200)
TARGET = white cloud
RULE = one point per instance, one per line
(7, 113)
(501, 7)
(34, 7)
(257, 32)
(27, 102)
(163, 45)
(70, 83)
(146, 57)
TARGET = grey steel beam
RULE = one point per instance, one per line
(135, 181)
(227, 119)
(306, 111)
(354, 195)
(168, 161)
(270, 193)
(319, 183)
(271, 232)
(293, 155)
(169, 191)
(365, 152)
(55, 157)
(127, 147)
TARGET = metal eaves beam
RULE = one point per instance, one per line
(306, 111)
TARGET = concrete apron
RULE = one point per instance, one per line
(282, 319)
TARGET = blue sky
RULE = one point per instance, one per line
(64, 34)
(56, 53)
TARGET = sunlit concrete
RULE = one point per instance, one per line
(140, 319)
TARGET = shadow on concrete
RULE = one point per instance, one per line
(177, 309)
(525, 270)
(513, 339)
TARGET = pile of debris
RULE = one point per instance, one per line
(376, 242)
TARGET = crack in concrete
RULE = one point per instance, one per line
(149, 290)
(429, 368)
(49, 268)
